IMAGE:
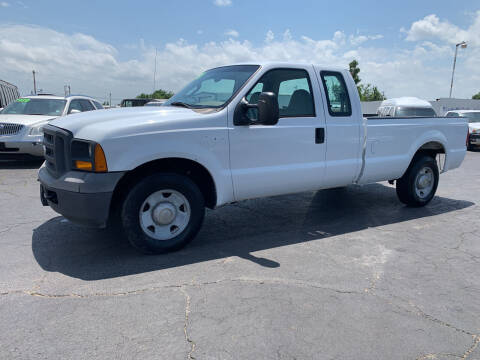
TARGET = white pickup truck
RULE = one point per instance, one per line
(234, 133)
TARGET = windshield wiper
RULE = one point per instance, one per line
(180, 103)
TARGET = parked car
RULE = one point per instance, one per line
(473, 117)
(22, 122)
(134, 102)
(406, 107)
(155, 172)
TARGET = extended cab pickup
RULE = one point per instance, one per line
(234, 133)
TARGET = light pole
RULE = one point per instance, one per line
(463, 45)
(34, 83)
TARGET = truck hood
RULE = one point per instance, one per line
(24, 119)
(99, 124)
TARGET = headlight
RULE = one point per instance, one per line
(88, 156)
(37, 129)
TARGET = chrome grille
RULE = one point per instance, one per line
(10, 129)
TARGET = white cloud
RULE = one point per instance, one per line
(232, 33)
(339, 37)
(432, 28)
(360, 39)
(4, 4)
(94, 67)
(223, 2)
(270, 36)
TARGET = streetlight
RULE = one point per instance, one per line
(463, 45)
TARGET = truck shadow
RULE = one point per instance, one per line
(234, 230)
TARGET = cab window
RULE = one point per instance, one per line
(336, 93)
(293, 89)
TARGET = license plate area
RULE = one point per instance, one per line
(4, 148)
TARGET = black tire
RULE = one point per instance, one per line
(140, 192)
(406, 184)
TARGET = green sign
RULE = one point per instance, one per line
(23, 100)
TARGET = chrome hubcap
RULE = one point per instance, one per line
(424, 182)
(164, 214)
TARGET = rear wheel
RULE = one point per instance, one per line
(162, 213)
(419, 183)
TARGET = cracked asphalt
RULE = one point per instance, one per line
(337, 274)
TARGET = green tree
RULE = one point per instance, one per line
(158, 94)
(476, 96)
(369, 93)
(366, 92)
(354, 70)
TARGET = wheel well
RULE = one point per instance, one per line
(435, 150)
(198, 173)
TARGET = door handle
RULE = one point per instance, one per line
(319, 135)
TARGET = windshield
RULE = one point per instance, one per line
(473, 117)
(27, 106)
(214, 88)
(401, 111)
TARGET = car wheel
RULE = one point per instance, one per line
(162, 213)
(419, 183)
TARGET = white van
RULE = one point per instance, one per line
(406, 107)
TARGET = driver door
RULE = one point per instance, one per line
(287, 157)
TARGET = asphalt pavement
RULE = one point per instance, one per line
(334, 274)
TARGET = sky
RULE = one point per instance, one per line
(405, 48)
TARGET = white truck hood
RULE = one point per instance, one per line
(24, 119)
(111, 123)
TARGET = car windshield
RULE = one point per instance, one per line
(473, 117)
(214, 88)
(402, 111)
(28, 106)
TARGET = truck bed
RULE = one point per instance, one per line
(391, 143)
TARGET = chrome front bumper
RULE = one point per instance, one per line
(21, 145)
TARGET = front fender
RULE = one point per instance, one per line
(207, 148)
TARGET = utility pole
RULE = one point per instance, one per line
(463, 44)
(155, 72)
(34, 84)
(110, 102)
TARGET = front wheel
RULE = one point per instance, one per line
(162, 213)
(419, 183)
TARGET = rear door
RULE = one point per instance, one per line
(343, 129)
(289, 156)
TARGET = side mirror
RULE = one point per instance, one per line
(268, 112)
(74, 111)
(267, 107)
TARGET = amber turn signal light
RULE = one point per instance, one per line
(83, 165)
(100, 161)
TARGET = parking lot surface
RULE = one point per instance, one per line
(336, 274)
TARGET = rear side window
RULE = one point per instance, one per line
(336, 92)
(86, 105)
(97, 105)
